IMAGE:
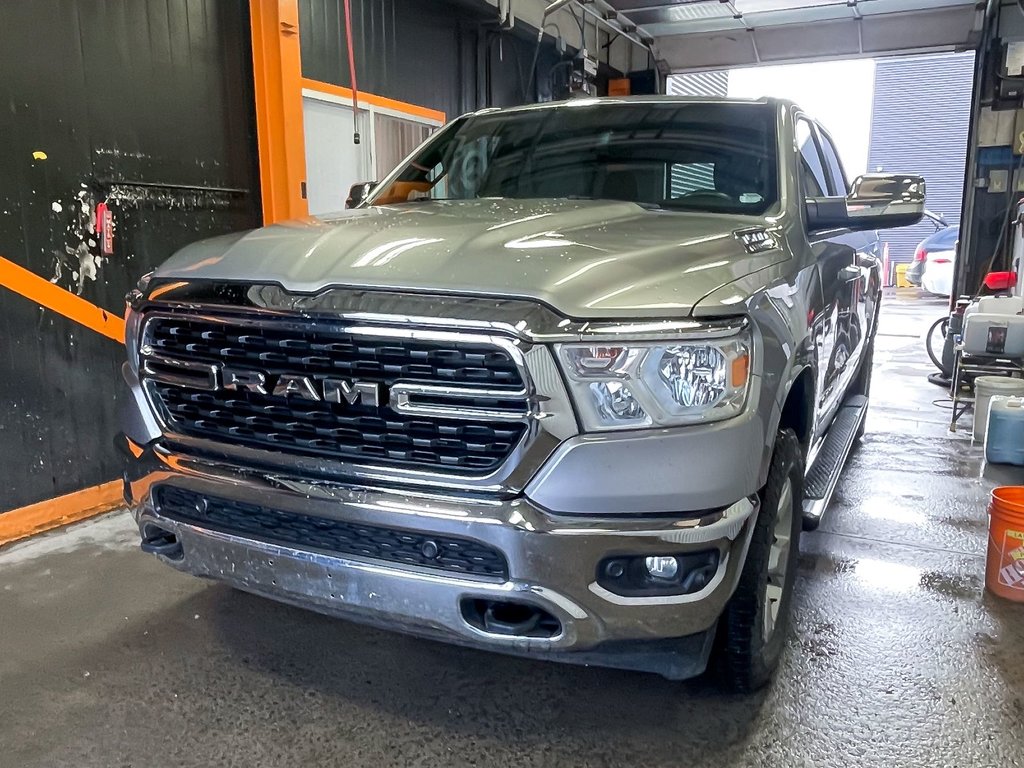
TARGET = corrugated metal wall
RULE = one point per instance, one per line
(146, 104)
(919, 124)
(699, 84)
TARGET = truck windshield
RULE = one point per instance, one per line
(715, 157)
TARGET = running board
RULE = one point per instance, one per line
(821, 478)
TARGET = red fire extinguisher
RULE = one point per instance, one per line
(105, 228)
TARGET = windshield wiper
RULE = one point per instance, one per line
(641, 203)
(424, 200)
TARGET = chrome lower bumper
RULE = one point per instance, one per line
(552, 564)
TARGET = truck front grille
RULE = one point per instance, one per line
(443, 553)
(199, 406)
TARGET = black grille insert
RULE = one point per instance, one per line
(360, 432)
(316, 349)
(443, 553)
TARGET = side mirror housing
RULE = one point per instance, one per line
(878, 201)
(358, 192)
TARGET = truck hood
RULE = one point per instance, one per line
(587, 259)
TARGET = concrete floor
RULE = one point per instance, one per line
(899, 658)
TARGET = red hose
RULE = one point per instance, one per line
(352, 64)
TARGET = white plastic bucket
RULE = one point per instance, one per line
(985, 387)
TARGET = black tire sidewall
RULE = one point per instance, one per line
(862, 385)
(745, 660)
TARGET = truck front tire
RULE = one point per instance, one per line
(755, 625)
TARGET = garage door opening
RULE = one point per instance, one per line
(909, 114)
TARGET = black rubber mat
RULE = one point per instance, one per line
(833, 453)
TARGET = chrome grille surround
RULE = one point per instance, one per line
(527, 414)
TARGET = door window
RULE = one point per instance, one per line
(813, 167)
(839, 186)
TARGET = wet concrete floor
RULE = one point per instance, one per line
(898, 657)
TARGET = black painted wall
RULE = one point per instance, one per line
(442, 54)
(146, 104)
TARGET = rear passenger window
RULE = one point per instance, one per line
(813, 168)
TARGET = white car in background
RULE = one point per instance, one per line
(937, 277)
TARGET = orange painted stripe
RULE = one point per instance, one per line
(63, 302)
(63, 510)
(377, 101)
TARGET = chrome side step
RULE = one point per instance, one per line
(821, 477)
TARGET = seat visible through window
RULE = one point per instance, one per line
(620, 185)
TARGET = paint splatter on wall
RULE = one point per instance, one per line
(80, 259)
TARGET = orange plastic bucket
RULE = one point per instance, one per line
(1004, 571)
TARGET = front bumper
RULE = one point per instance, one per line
(552, 563)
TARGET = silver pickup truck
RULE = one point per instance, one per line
(568, 384)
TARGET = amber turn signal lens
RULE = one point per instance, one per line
(740, 370)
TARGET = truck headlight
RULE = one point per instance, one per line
(657, 384)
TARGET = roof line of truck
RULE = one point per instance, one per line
(623, 100)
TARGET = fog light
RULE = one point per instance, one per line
(662, 567)
(683, 573)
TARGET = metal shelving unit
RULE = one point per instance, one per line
(966, 368)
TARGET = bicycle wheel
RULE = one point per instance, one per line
(941, 324)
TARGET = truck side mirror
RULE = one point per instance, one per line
(358, 192)
(878, 201)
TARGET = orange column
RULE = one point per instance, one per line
(277, 70)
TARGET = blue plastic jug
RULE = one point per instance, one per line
(1004, 438)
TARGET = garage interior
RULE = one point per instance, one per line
(136, 127)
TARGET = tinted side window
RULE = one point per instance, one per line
(814, 170)
(840, 186)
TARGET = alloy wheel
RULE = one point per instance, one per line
(778, 559)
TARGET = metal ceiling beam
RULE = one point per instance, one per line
(717, 40)
(736, 14)
(618, 23)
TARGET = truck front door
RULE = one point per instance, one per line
(838, 331)
(867, 260)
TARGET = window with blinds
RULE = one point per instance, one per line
(395, 139)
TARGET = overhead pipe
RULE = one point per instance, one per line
(623, 26)
(352, 71)
(551, 8)
(555, 6)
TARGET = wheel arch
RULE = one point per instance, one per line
(797, 411)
